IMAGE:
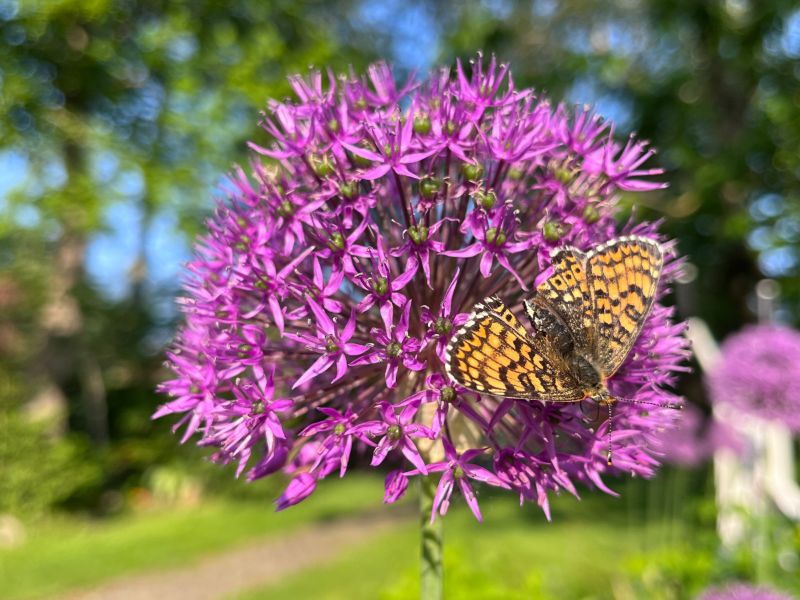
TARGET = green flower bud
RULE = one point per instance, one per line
(553, 230)
(348, 189)
(429, 186)
(339, 428)
(442, 325)
(448, 394)
(563, 175)
(394, 349)
(418, 234)
(450, 128)
(458, 472)
(495, 236)
(394, 432)
(322, 166)
(422, 124)
(591, 214)
(285, 209)
(244, 350)
(336, 241)
(486, 200)
(330, 345)
(380, 285)
(333, 125)
(258, 407)
(515, 173)
(472, 171)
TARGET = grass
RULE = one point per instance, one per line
(65, 554)
(515, 553)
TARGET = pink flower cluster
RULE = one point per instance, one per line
(322, 297)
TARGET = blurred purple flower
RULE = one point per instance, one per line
(758, 373)
(374, 221)
(743, 591)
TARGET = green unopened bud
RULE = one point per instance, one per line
(361, 161)
(241, 221)
(428, 187)
(258, 407)
(472, 171)
(553, 230)
(458, 473)
(322, 166)
(348, 189)
(450, 128)
(563, 175)
(244, 350)
(243, 243)
(380, 285)
(442, 325)
(193, 389)
(336, 241)
(387, 149)
(339, 429)
(333, 125)
(361, 103)
(418, 234)
(486, 200)
(515, 173)
(591, 214)
(285, 209)
(394, 349)
(448, 394)
(260, 284)
(495, 236)
(330, 345)
(422, 124)
(394, 432)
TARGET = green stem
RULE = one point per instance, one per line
(431, 582)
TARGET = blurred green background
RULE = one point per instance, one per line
(118, 119)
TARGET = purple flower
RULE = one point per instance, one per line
(758, 373)
(457, 469)
(743, 591)
(395, 431)
(331, 278)
(394, 347)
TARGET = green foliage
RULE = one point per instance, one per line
(39, 472)
(62, 553)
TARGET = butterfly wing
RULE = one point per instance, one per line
(623, 279)
(562, 307)
(493, 354)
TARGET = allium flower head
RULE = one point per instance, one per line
(743, 591)
(758, 373)
(321, 300)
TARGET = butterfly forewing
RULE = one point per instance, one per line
(623, 280)
(493, 354)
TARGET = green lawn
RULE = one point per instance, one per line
(64, 554)
(514, 554)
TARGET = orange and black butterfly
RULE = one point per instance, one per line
(586, 315)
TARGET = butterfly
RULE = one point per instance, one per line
(586, 316)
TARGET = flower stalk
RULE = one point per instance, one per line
(431, 574)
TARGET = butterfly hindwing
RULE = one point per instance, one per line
(493, 354)
(623, 280)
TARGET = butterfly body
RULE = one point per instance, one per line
(586, 317)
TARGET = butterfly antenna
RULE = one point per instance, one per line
(670, 405)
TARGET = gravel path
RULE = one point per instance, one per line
(256, 564)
